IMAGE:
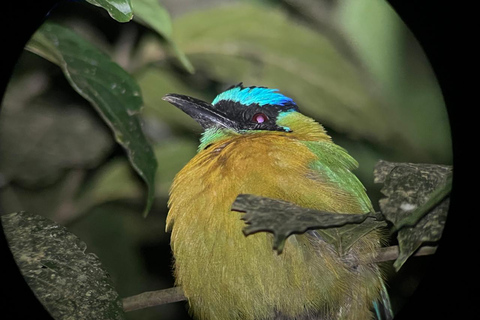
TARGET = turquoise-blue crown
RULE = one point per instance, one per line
(254, 95)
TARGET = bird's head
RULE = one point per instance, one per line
(247, 110)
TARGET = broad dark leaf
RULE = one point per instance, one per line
(110, 89)
(408, 188)
(69, 282)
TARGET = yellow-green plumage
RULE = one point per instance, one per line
(226, 275)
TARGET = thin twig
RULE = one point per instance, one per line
(391, 253)
(175, 294)
(153, 298)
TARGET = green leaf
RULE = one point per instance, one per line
(114, 181)
(120, 10)
(70, 283)
(182, 57)
(403, 74)
(409, 187)
(157, 82)
(152, 15)
(283, 219)
(181, 150)
(265, 47)
(109, 88)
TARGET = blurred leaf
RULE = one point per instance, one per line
(53, 201)
(402, 72)
(40, 142)
(120, 10)
(110, 89)
(182, 57)
(114, 181)
(69, 282)
(283, 219)
(157, 82)
(173, 154)
(264, 47)
(409, 186)
(153, 15)
(382, 53)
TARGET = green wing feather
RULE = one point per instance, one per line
(383, 307)
(336, 164)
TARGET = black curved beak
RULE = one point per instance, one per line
(201, 111)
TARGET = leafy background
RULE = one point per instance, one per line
(352, 65)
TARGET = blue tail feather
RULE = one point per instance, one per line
(382, 307)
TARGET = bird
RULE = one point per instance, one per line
(256, 141)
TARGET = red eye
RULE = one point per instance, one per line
(259, 118)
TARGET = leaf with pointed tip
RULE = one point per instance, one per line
(70, 283)
(409, 187)
(153, 15)
(120, 10)
(283, 219)
(110, 89)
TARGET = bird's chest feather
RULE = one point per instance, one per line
(204, 190)
(217, 266)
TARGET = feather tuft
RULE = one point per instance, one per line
(254, 95)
